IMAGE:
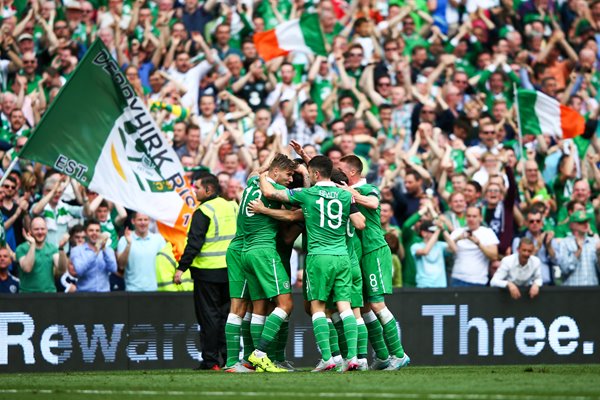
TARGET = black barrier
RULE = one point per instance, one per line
(438, 327)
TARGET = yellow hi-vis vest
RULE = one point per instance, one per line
(221, 230)
(166, 266)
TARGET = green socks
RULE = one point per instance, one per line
(339, 327)
(257, 323)
(321, 331)
(246, 336)
(390, 332)
(350, 332)
(281, 341)
(362, 340)
(232, 339)
(375, 332)
(271, 328)
(333, 339)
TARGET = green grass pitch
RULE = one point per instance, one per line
(580, 382)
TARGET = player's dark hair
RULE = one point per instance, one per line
(90, 221)
(199, 174)
(476, 186)
(306, 103)
(338, 176)
(383, 201)
(571, 205)
(321, 164)
(212, 182)
(282, 162)
(353, 161)
(414, 174)
(12, 179)
(425, 226)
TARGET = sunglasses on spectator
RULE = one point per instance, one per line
(391, 49)
(12, 187)
(356, 54)
(427, 112)
(384, 84)
(535, 221)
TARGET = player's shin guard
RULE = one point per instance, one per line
(247, 336)
(390, 332)
(339, 327)
(375, 332)
(256, 327)
(349, 321)
(321, 331)
(333, 339)
(271, 329)
(232, 339)
(281, 341)
(362, 339)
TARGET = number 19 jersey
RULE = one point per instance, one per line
(326, 211)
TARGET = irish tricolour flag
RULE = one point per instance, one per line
(99, 132)
(541, 114)
(303, 35)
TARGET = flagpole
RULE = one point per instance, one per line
(11, 166)
(519, 133)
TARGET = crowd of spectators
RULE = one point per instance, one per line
(423, 91)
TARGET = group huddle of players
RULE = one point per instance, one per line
(348, 268)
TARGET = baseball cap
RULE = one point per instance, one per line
(579, 216)
(347, 110)
(24, 36)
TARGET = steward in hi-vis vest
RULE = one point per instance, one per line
(212, 227)
(166, 265)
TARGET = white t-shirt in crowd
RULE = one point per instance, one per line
(191, 80)
(471, 265)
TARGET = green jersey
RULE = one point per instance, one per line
(108, 227)
(259, 230)
(326, 210)
(372, 237)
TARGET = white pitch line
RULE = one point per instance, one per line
(384, 395)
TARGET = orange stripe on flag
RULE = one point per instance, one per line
(571, 122)
(177, 234)
(267, 45)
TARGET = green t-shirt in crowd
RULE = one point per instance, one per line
(41, 277)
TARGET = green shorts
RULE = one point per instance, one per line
(328, 276)
(377, 272)
(356, 295)
(265, 273)
(356, 291)
(238, 285)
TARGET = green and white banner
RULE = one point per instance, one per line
(99, 132)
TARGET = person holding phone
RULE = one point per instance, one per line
(477, 246)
